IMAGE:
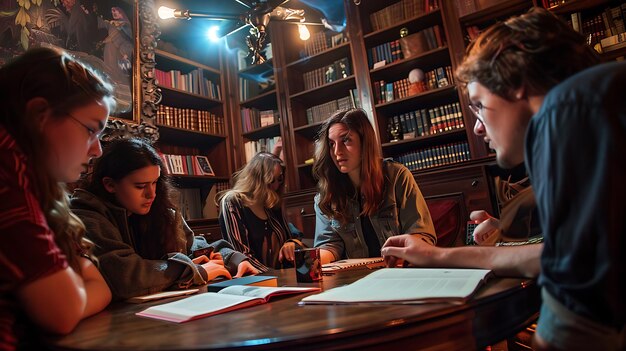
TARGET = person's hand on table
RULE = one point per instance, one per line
(246, 268)
(287, 252)
(412, 249)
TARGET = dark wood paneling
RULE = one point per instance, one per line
(208, 228)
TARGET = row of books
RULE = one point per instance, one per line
(552, 3)
(435, 156)
(434, 79)
(338, 70)
(186, 118)
(406, 47)
(252, 118)
(194, 165)
(322, 41)
(386, 92)
(321, 112)
(606, 28)
(252, 148)
(404, 9)
(192, 82)
(425, 122)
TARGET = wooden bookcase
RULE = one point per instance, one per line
(310, 79)
(294, 95)
(470, 179)
(258, 84)
(593, 17)
(185, 133)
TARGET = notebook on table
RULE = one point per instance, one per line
(352, 263)
(406, 286)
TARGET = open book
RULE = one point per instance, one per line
(406, 285)
(161, 295)
(228, 299)
(351, 263)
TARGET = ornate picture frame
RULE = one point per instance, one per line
(116, 37)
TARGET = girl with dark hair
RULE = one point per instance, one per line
(53, 111)
(251, 216)
(142, 242)
(362, 199)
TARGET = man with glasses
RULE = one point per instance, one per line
(536, 99)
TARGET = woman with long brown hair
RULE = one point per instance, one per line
(53, 111)
(362, 199)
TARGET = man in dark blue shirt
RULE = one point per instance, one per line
(532, 93)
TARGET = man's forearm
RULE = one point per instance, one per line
(523, 260)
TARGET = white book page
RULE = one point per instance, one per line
(262, 292)
(193, 306)
(405, 285)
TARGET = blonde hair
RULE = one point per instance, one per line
(253, 181)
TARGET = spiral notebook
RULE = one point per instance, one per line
(352, 263)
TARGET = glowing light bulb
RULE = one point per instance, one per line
(213, 34)
(165, 12)
(304, 32)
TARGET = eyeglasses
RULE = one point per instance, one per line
(93, 135)
(478, 112)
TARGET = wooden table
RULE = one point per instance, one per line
(500, 308)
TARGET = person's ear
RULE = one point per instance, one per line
(109, 184)
(39, 108)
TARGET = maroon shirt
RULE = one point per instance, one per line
(27, 248)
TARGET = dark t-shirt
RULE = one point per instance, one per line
(576, 157)
(27, 248)
(369, 234)
(259, 232)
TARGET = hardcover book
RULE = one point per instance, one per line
(251, 280)
(228, 299)
(413, 45)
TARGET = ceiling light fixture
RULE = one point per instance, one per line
(257, 17)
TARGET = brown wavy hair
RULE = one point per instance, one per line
(160, 228)
(335, 188)
(66, 84)
(536, 50)
(253, 180)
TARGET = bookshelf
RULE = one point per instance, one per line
(421, 125)
(258, 127)
(317, 80)
(191, 125)
(602, 22)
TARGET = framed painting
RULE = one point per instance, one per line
(115, 37)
